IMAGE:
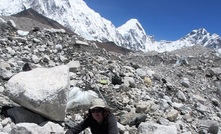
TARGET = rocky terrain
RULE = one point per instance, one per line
(168, 93)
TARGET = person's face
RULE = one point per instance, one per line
(97, 114)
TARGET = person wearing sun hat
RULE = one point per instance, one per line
(100, 119)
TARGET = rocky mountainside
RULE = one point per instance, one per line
(35, 16)
(28, 19)
(174, 92)
(79, 18)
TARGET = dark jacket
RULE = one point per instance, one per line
(108, 126)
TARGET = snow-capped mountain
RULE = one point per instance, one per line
(196, 37)
(74, 14)
(202, 37)
(77, 16)
(135, 35)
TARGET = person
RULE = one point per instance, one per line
(100, 119)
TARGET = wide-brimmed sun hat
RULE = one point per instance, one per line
(98, 103)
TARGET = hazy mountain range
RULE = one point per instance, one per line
(76, 16)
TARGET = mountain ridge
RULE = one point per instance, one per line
(78, 17)
(26, 22)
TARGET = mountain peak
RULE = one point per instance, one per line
(201, 31)
(132, 24)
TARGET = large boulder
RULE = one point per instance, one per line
(42, 90)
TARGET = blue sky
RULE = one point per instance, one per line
(164, 19)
